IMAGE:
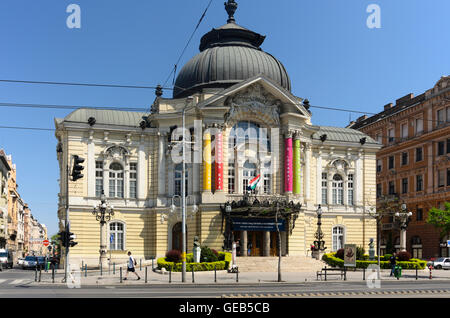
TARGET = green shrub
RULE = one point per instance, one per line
(223, 263)
(207, 255)
(333, 261)
(340, 254)
(387, 257)
(173, 256)
(360, 252)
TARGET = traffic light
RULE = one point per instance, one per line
(70, 238)
(62, 238)
(77, 168)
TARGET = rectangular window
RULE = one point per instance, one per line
(231, 177)
(405, 130)
(440, 148)
(404, 158)
(98, 178)
(350, 189)
(448, 177)
(266, 174)
(324, 189)
(391, 135)
(404, 185)
(440, 117)
(419, 154)
(379, 190)
(133, 180)
(419, 183)
(391, 162)
(419, 214)
(441, 178)
(391, 188)
(379, 165)
(448, 145)
(419, 126)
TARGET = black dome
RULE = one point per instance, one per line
(228, 55)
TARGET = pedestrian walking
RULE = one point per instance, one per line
(131, 266)
(393, 261)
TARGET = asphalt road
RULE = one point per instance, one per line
(18, 283)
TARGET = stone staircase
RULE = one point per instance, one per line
(270, 264)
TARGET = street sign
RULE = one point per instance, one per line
(448, 243)
(45, 242)
(350, 255)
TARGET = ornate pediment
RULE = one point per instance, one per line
(116, 152)
(253, 101)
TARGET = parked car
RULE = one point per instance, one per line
(20, 261)
(33, 262)
(6, 259)
(446, 264)
(438, 264)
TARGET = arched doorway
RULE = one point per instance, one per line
(177, 237)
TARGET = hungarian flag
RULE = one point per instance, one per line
(253, 183)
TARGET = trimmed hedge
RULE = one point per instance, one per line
(222, 264)
(333, 261)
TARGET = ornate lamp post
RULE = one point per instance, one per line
(103, 214)
(319, 243)
(404, 220)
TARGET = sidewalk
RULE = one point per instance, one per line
(223, 277)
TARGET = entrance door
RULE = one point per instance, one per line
(177, 237)
(255, 240)
(273, 244)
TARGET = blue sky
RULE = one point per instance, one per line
(331, 55)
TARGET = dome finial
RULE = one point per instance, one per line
(231, 7)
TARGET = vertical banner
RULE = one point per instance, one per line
(288, 180)
(219, 162)
(350, 255)
(297, 166)
(207, 162)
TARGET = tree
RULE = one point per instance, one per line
(440, 219)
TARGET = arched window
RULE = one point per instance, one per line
(116, 180)
(350, 189)
(245, 131)
(116, 236)
(338, 238)
(338, 189)
(249, 173)
(178, 177)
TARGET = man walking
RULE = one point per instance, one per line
(393, 263)
(131, 266)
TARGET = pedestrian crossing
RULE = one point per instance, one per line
(14, 281)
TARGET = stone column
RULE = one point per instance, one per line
(161, 169)
(141, 167)
(319, 178)
(358, 184)
(91, 165)
(244, 243)
(266, 244)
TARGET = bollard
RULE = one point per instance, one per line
(237, 275)
(85, 270)
(364, 274)
(215, 273)
(417, 269)
(35, 274)
(40, 273)
(121, 275)
(82, 265)
(114, 268)
(193, 278)
(170, 275)
(153, 263)
(101, 269)
(146, 274)
(431, 276)
(53, 274)
(140, 264)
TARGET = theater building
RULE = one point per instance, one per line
(252, 150)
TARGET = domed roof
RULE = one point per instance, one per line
(229, 55)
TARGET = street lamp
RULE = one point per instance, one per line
(404, 220)
(319, 243)
(103, 214)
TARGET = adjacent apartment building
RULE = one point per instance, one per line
(5, 169)
(414, 164)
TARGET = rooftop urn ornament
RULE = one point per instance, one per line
(231, 7)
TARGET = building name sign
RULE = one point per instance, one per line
(257, 224)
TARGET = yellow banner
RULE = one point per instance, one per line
(207, 162)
